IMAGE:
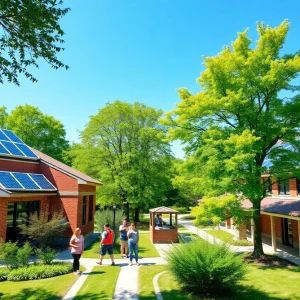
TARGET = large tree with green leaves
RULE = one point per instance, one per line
(30, 30)
(235, 121)
(37, 130)
(123, 145)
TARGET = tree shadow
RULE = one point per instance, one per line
(92, 296)
(32, 294)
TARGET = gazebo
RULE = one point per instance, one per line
(167, 233)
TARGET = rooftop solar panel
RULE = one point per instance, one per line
(3, 137)
(12, 148)
(26, 181)
(42, 181)
(26, 150)
(12, 136)
(8, 181)
(3, 150)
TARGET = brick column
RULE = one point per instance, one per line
(273, 233)
(3, 216)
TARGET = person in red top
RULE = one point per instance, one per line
(107, 244)
(77, 246)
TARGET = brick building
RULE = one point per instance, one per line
(31, 181)
(280, 214)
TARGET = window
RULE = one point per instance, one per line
(91, 208)
(284, 187)
(84, 210)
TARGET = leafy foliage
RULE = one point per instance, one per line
(46, 255)
(13, 256)
(31, 30)
(34, 272)
(205, 269)
(36, 129)
(233, 124)
(3, 274)
(123, 145)
(43, 229)
(106, 216)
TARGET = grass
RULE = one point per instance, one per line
(146, 275)
(261, 283)
(43, 289)
(146, 248)
(228, 238)
(100, 284)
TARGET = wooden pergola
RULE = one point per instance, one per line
(168, 233)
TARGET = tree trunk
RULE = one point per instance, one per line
(126, 210)
(258, 248)
(137, 214)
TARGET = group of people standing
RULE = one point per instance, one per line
(129, 239)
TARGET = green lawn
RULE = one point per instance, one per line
(227, 237)
(43, 289)
(100, 284)
(146, 275)
(146, 248)
(261, 283)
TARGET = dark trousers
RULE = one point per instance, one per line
(76, 258)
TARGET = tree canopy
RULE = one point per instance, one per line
(36, 129)
(30, 30)
(233, 124)
(124, 147)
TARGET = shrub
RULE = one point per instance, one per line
(13, 256)
(205, 269)
(188, 217)
(106, 216)
(3, 273)
(46, 255)
(33, 272)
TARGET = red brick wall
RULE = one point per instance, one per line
(265, 223)
(18, 166)
(3, 215)
(278, 227)
(293, 187)
(275, 189)
(86, 188)
(164, 236)
(295, 231)
(62, 181)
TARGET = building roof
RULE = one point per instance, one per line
(163, 210)
(289, 207)
(65, 168)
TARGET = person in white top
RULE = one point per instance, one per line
(77, 246)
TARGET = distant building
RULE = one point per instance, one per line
(31, 181)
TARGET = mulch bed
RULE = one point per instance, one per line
(270, 261)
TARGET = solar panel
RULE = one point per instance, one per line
(42, 181)
(3, 150)
(26, 150)
(12, 148)
(3, 137)
(26, 181)
(8, 181)
(12, 136)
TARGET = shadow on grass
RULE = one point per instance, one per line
(241, 293)
(92, 296)
(38, 294)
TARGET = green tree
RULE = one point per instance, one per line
(3, 116)
(38, 130)
(235, 121)
(123, 145)
(30, 30)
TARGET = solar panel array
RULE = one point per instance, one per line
(25, 181)
(11, 145)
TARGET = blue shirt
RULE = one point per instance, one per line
(123, 234)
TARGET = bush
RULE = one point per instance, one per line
(205, 269)
(46, 255)
(33, 272)
(3, 273)
(188, 217)
(13, 256)
(106, 216)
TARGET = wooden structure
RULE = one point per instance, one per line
(168, 232)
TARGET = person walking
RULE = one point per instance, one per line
(124, 239)
(133, 241)
(107, 244)
(77, 246)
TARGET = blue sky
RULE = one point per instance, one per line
(140, 50)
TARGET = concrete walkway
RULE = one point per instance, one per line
(281, 249)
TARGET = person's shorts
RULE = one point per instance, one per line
(106, 249)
